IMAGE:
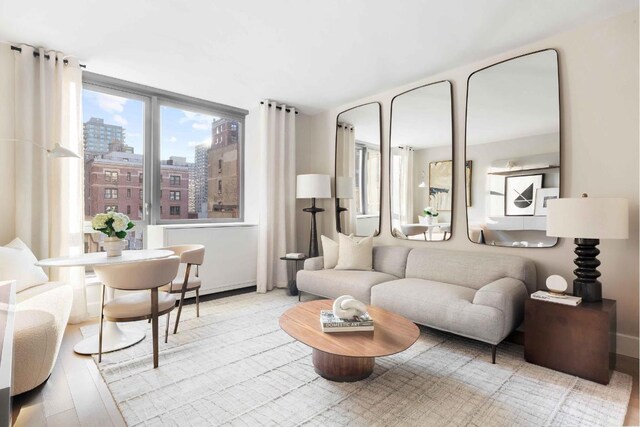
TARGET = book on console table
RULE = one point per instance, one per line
(331, 323)
(558, 299)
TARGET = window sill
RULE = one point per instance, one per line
(208, 225)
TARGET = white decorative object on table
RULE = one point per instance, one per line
(347, 307)
(115, 226)
(556, 284)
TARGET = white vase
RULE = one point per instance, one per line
(113, 245)
(430, 220)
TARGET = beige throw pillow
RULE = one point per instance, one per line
(17, 262)
(355, 254)
(329, 251)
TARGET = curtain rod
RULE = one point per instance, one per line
(37, 54)
(279, 108)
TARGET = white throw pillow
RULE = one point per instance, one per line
(17, 262)
(329, 251)
(355, 254)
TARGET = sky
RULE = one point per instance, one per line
(180, 130)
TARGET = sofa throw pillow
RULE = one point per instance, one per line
(329, 251)
(355, 254)
(17, 262)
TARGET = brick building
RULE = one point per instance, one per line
(115, 181)
(223, 181)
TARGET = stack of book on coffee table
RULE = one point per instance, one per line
(331, 323)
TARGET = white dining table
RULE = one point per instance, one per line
(419, 228)
(113, 338)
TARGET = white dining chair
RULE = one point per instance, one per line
(139, 276)
(190, 255)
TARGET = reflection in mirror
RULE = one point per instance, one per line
(358, 163)
(513, 140)
(421, 167)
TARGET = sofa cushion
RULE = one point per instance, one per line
(442, 306)
(355, 254)
(334, 283)
(470, 269)
(390, 259)
(329, 251)
(17, 262)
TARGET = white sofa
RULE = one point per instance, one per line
(474, 294)
(41, 317)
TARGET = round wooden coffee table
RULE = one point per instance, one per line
(348, 356)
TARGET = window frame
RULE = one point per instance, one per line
(154, 99)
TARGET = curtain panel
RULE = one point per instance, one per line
(346, 150)
(276, 235)
(47, 202)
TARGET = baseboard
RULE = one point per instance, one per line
(627, 345)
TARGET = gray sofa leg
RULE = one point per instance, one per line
(493, 354)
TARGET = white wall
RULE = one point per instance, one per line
(599, 139)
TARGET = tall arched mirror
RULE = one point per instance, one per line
(421, 163)
(513, 140)
(358, 169)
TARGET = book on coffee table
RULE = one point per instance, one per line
(558, 299)
(330, 323)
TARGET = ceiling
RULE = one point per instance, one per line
(313, 54)
(365, 120)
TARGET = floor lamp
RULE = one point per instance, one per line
(344, 190)
(313, 186)
(588, 220)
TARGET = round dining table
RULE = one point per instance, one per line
(113, 338)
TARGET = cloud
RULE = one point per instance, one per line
(201, 126)
(205, 141)
(173, 139)
(110, 103)
(198, 121)
(117, 118)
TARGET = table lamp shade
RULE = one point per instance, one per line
(313, 186)
(588, 218)
(344, 187)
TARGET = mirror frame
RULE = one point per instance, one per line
(453, 163)
(560, 144)
(335, 165)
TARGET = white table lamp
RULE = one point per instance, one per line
(344, 190)
(313, 186)
(588, 220)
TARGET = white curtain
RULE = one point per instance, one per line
(404, 175)
(277, 178)
(346, 151)
(47, 99)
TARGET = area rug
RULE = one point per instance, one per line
(234, 366)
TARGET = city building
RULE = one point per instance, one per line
(223, 188)
(115, 181)
(97, 136)
(200, 179)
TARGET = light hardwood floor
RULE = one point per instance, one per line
(76, 395)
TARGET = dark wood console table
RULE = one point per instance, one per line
(576, 340)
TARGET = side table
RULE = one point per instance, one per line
(576, 340)
(292, 270)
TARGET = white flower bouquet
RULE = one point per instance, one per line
(113, 224)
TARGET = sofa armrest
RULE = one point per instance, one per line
(507, 295)
(315, 263)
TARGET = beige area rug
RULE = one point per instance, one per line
(234, 366)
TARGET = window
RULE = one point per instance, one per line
(110, 193)
(111, 176)
(128, 209)
(219, 186)
(113, 208)
(119, 120)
